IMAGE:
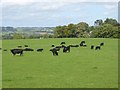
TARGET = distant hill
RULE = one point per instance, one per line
(8, 29)
(26, 32)
(26, 29)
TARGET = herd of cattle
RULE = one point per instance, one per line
(54, 49)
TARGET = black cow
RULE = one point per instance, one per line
(97, 47)
(25, 45)
(17, 51)
(39, 50)
(54, 51)
(83, 44)
(62, 43)
(74, 45)
(102, 44)
(92, 46)
(19, 46)
(4, 49)
(53, 46)
(66, 49)
(28, 49)
(59, 47)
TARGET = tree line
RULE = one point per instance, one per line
(26, 36)
(109, 28)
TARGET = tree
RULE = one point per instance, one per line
(98, 22)
(61, 31)
(82, 28)
(105, 31)
(111, 21)
(58, 32)
(72, 30)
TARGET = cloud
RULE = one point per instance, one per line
(24, 2)
(17, 2)
(53, 12)
(111, 9)
(113, 6)
(35, 5)
(106, 13)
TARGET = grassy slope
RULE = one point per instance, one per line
(81, 67)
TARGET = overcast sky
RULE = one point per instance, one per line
(52, 13)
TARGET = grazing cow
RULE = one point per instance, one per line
(102, 44)
(62, 43)
(39, 50)
(97, 47)
(28, 49)
(92, 46)
(53, 46)
(19, 46)
(83, 43)
(74, 45)
(25, 45)
(66, 49)
(17, 51)
(54, 51)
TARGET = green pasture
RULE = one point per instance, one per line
(81, 68)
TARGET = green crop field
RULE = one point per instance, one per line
(81, 68)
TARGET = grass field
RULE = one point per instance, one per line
(81, 68)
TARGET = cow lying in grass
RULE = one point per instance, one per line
(74, 45)
(25, 45)
(53, 46)
(28, 49)
(19, 46)
(39, 50)
(4, 49)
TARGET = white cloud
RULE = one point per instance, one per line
(111, 6)
(35, 5)
(53, 3)
(106, 13)
(110, 9)
(34, 11)
(50, 5)
(68, 1)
